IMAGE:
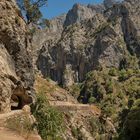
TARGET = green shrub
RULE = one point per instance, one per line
(122, 105)
(109, 110)
(123, 75)
(136, 104)
(75, 90)
(112, 72)
(95, 125)
(49, 120)
(109, 86)
(130, 72)
(131, 127)
(92, 100)
(76, 133)
(20, 124)
(101, 90)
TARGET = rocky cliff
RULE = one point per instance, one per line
(93, 38)
(93, 51)
(80, 12)
(16, 73)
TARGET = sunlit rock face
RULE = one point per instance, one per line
(93, 37)
(80, 12)
(15, 61)
(110, 3)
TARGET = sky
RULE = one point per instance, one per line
(58, 7)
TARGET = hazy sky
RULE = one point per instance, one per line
(57, 7)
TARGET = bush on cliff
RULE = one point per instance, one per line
(49, 120)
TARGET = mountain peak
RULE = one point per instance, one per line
(110, 3)
(81, 12)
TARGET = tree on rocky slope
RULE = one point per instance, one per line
(31, 9)
(131, 127)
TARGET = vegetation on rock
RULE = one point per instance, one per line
(117, 93)
(49, 120)
(31, 9)
(21, 124)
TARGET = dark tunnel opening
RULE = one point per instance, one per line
(16, 102)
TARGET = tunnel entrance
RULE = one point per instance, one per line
(21, 96)
(16, 102)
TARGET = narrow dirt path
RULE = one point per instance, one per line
(9, 114)
(6, 134)
(67, 106)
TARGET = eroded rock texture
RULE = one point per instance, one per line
(92, 38)
(15, 62)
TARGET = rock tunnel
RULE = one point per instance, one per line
(21, 96)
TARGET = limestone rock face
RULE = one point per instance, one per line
(128, 11)
(52, 33)
(15, 62)
(78, 53)
(92, 38)
(6, 69)
(110, 3)
(80, 12)
(56, 24)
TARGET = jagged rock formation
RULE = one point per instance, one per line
(51, 33)
(110, 3)
(129, 24)
(16, 66)
(80, 12)
(98, 46)
(92, 39)
(56, 24)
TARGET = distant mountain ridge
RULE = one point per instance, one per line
(91, 36)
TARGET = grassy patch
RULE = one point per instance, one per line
(20, 124)
(49, 120)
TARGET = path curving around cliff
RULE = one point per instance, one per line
(68, 106)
